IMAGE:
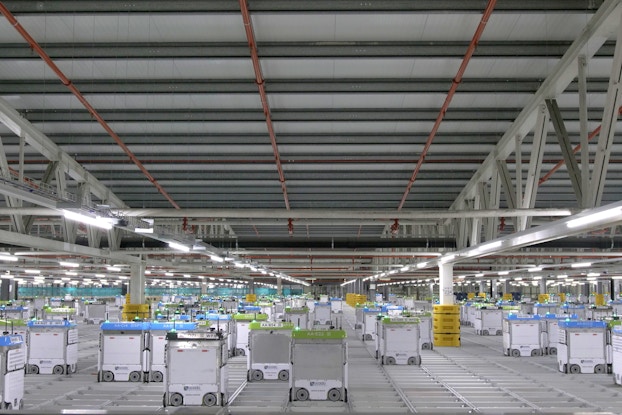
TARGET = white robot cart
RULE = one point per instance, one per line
(270, 347)
(582, 347)
(95, 313)
(578, 309)
(550, 331)
(196, 369)
(52, 347)
(12, 363)
(322, 314)
(299, 316)
(616, 354)
(336, 304)
(370, 315)
(521, 335)
(222, 323)
(488, 321)
(544, 308)
(122, 352)
(399, 341)
(319, 366)
(156, 343)
(425, 330)
(242, 323)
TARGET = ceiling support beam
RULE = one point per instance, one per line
(17, 239)
(535, 164)
(252, 45)
(566, 147)
(583, 133)
(48, 176)
(610, 116)
(11, 201)
(592, 38)
(48, 149)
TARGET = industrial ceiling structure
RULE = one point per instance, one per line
(322, 141)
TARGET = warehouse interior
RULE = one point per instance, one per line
(426, 149)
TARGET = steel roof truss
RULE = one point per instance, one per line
(592, 38)
(564, 142)
(535, 164)
(610, 116)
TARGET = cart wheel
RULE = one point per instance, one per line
(157, 376)
(257, 375)
(367, 337)
(33, 369)
(284, 375)
(209, 399)
(485, 333)
(21, 404)
(302, 394)
(135, 376)
(575, 369)
(58, 370)
(107, 376)
(425, 346)
(515, 353)
(240, 352)
(553, 350)
(499, 333)
(599, 369)
(389, 360)
(376, 354)
(334, 395)
(8, 406)
(536, 352)
(414, 360)
(176, 399)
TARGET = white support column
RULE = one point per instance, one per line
(446, 284)
(494, 289)
(476, 223)
(608, 125)
(279, 286)
(137, 283)
(542, 285)
(482, 287)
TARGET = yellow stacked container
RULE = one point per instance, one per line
(446, 325)
(132, 312)
(507, 297)
(353, 299)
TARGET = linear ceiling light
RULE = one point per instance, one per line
(581, 264)
(69, 264)
(98, 221)
(179, 246)
(595, 217)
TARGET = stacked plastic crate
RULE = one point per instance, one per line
(446, 325)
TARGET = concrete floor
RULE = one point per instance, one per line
(474, 378)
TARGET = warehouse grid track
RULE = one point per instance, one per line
(474, 378)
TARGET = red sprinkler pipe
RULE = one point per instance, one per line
(454, 85)
(252, 45)
(574, 151)
(67, 82)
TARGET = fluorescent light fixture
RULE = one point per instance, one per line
(196, 247)
(560, 276)
(405, 269)
(100, 222)
(113, 269)
(71, 273)
(67, 264)
(147, 272)
(143, 230)
(591, 278)
(518, 279)
(65, 279)
(123, 277)
(593, 274)
(168, 274)
(422, 264)
(537, 278)
(595, 217)
(100, 276)
(216, 258)
(32, 271)
(535, 269)
(179, 246)
(10, 258)
(186, 275)
(503, 273)
(581, 264)
(481, 274)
